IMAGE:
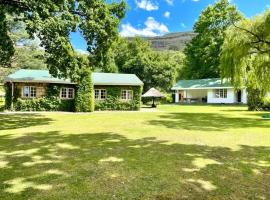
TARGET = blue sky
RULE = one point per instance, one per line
(158, 17)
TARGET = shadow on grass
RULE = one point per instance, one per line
(109, 166)
(14, 121)
(206, 121)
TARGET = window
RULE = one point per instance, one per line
(29, 92)
(126, 95)
(221, 93)
(100, 94)
(67, 93)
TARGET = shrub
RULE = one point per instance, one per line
(266, 104)
(44, 104)
(167, 99)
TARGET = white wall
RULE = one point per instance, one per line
(195, 93)
(230, 97)
(176, 96)
(244, 96)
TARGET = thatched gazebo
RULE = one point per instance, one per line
(154, 94)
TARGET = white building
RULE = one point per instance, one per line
(208, 91)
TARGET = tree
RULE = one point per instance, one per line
(133, 57)
(203, 52)
(53, 21)
(155, 69)
(27, 53)
(24, 58)
(245, 57)
(163, 70)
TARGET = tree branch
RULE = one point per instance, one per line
(14, 3)
(255, 35)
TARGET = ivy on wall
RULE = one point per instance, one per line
(51, 102)
(113, 99)
(84, 98)
(84, 101)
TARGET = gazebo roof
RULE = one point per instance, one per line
(153, 93)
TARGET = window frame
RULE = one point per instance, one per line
(99, 95)
(67, 90)
(30, 92)
(221, 93)
(126, 95)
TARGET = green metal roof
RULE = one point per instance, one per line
(26, 75)
(29, 75)
(116, 79)
(202, 84)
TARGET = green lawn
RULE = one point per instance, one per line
(180, 152)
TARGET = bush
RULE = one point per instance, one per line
(44, 104)
(114, 103)
(266, 104)
(167, 99)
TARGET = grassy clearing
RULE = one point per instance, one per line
(181, 152)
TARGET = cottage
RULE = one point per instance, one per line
(209, 91)
(212, 90)
(112, 91)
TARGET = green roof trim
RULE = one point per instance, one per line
(43, 76)
(202, 84)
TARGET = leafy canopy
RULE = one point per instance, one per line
(246, 52)
(27, 54)
(155, 69)
(246, 55)
(53, 21)
(203, 52)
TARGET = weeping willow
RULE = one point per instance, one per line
(245, 57)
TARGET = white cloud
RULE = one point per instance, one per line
(196, 0)
(170, 2)
(152, 28)
(146, 5)
(167, 14)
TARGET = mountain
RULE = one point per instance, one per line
(172, 41)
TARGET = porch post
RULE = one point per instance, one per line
(176, 96)
(12, 89)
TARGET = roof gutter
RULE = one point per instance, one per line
(205, 88)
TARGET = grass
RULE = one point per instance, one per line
(181, 152)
